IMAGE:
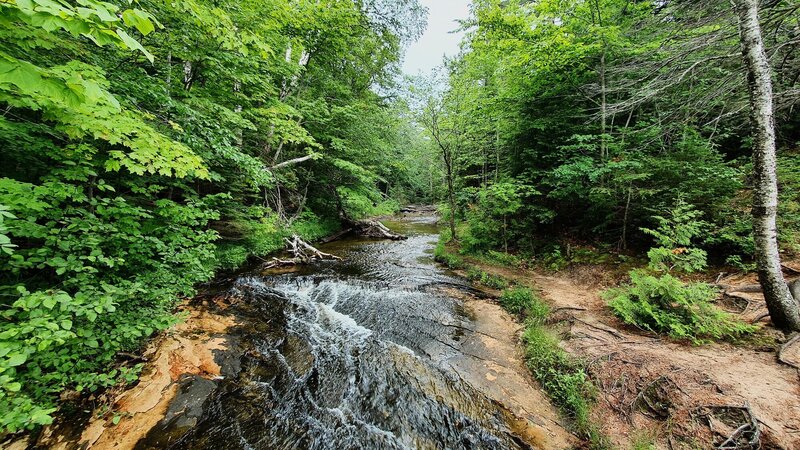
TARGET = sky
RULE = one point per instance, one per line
(427, 52)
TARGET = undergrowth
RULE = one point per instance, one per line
(657, 301)
(562, 376)
(667, 305)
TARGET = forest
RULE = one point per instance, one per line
(151, 146)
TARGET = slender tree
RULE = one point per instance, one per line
(783, 307)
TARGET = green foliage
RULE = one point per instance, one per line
(562, 377)
(525, 302)
(789, 201)
(504, 259)
(582, 119)
(493, 281)
(497, 216)
(451, 260)
(674, 238)
(5, 243)
(667, 305)
(145, 147)
(643, 440)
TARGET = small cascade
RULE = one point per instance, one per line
(351, 356)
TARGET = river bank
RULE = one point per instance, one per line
(653, 392)
(383, 349)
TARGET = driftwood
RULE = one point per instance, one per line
(337, 235)
(418, 209)
(373, 228)
(367, 228)
(302, 253)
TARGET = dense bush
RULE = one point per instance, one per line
(525, 302)
(667, 305)
(155, 147)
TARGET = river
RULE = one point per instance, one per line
(382, 350)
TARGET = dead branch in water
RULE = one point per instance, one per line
(373, 228)
(367, 228)
(302, 252)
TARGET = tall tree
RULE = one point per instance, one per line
(783, 307)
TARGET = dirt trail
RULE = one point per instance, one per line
(663, 386)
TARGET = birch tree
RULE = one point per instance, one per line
(783, 307)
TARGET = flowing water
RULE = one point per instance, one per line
(351, 354)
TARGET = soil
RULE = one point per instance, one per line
(675, 394)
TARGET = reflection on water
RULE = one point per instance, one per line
(344, 355)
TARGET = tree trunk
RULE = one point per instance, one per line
(448, 164)
(783, 307)
(188, 75)
(603, 106)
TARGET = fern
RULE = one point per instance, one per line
(667, 305)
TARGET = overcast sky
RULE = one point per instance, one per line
(427, 52)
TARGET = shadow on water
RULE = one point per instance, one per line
(342, 355)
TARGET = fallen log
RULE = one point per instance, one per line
(336, 235)
(302, 253)
(373, 228)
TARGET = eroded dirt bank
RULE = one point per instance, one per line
(672, 393)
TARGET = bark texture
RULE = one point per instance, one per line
(783, 307)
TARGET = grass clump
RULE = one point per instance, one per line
(451, 260)
(564, 378)
(504, 259)
(525, 302)
(667, 305)
(477, 275)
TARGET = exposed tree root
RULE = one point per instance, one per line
(789, 352)
(737, 426)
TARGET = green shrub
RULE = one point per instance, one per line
(674, 238)
(563, 377)
(739, 263)
(789, 201)
(476, 275)
(524, 301)
(311, 227)
(231, 256)
(441, 255)
(667, 305)
(502, 258)
(494, 281)
(553, 259)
